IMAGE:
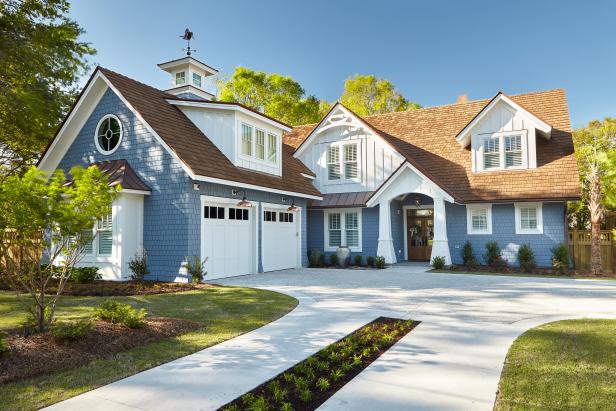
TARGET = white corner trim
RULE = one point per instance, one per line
(469, 225)
(341, 211)
(438, 190)
(232, 107)
(464, 136)
(518, 224)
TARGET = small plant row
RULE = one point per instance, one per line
(317, 259)
(311, 382)
(494, 259)
(80, 275)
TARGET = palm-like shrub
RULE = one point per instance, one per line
(195, 268)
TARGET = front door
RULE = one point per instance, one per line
(419, 233)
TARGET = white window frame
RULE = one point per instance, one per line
(96, 143)
(342, 212)
(341, 162)
(518, 218)
(177, 74)
(501, 135)
(267, 145)
(196, 76)
(469, 222)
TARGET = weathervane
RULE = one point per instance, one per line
(188, 36)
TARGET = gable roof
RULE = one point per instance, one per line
(427, 139)
(195, 151)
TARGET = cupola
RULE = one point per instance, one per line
(188, 77)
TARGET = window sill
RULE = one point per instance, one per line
(531, 232)
(353, 249)
(479, 232)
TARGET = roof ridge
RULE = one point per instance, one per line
(162, 92)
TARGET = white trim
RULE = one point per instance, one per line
(170, 65)
(518, 222)
(342, 212)
(131, 191)
(355, 121)
(232, 107)
(341, 162)
(254, 187)
(404, 218)
(253, 146)
(189, 88)
(375, 197)
(501, 135)
(98, 147)
(308, 176)
(469, 225)
(464, 136)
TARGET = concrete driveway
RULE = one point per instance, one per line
(452, 360)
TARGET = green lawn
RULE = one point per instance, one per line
(225, 311)
(564, 365)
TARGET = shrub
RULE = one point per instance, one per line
(119, 313)
(323, 384)
(314, 258)
(560, 258)
(358, 259)
(526, 257)
(85, 275)
(438, 262)
(139, 265)
(379, 262)
(71, 331)
(468, 256)
(322, 260)
(333, 259)
(370, 261)
(195, 269)
(4, 346)
(493, 256)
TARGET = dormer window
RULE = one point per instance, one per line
(342, 162)
(196, 79)
(257, 143)
(502, 151)
(180, 78)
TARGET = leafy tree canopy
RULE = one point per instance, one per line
(368, 95)
(41, 60)
(280, 97)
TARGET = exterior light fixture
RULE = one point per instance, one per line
(244, 202)
(293, 208)
(417, 202)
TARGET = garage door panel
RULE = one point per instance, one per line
(280, 240)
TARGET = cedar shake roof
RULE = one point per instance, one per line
(341, 200)
(120, 172)
(195, 149)
(427, 139)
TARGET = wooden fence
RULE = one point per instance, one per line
(579, 249)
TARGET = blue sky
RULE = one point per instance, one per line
(432, 51)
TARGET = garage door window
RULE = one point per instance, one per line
(269, 216)
(285, 217)
(238, 214)
(214, 212)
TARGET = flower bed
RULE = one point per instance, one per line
(311, 382)
(41, 354)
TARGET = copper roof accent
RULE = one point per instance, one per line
(120, 172)
(427, 139)
(342, 200)
(195, 149)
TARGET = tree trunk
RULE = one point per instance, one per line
(596, 214)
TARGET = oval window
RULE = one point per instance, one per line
(108, 134)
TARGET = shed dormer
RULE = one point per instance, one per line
(188, 78)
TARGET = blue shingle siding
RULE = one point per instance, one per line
(172, 212)
(503, 231)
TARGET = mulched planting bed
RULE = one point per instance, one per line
(537, 271)
(311, 382)
(101, 288)
(41, 354)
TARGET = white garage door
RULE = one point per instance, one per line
(227, 240)
(281, 239)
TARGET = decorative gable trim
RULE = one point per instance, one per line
(464, 136)
(340, 116)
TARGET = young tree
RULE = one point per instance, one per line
(48, 220)
(41, 61)
(280, 97)
(595, 147)
(368, 95)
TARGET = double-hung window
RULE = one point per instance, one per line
(272, 148)
(246, 140)
(180, 78)
(491, 153)
(343, 228)
(342, 165)
(529, 218)
(513, 151)
(479, 218)
(260, 144)
(196, 80)
(503, 151)
(104, 229)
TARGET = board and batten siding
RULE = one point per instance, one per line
(377, 161)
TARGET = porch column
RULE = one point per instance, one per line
(386, 243)
(440, 244)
